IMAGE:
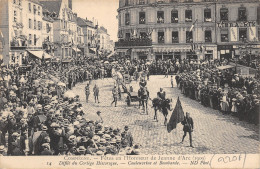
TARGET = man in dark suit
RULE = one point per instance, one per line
(187, 127)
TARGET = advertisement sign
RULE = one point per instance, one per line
(252, 33)
(233, 34)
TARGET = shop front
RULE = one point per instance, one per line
(141, 53)
(171, 52)
(225, 51)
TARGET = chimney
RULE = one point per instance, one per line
(70, 4)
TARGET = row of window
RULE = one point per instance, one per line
(224, 36)
(242, 35)
(242, 16)
(175, 36)
(18, 2)
(32, 41)
(35, 11)
(34, 24)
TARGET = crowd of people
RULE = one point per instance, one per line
(223, 90)
(40, 116)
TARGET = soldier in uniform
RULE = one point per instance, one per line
(187, 127)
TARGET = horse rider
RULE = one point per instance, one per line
(161, 94)
(142, 83)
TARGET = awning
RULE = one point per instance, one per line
(172, 49)
(92, 50)
(111, 54)
(121, 50)
(76, 49)
(39, 54)
(141, 50)
(225, 67)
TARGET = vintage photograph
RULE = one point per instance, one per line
(129, 77)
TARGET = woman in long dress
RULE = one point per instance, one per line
(224, 104)
(234, 107)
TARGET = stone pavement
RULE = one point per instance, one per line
(213, 132)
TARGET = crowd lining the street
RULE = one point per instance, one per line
(40, 116)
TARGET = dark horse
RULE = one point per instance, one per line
(163, 106)
(143, 95)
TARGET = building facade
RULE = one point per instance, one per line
(158, 29)
(12, 31)
(89, 30)
(47, 32)
(64, 27)
(103, 40)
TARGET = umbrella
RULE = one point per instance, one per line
(69, 94)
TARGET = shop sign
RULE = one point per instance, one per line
(244, 46)
(236, 24)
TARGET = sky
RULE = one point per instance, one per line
(104, 11)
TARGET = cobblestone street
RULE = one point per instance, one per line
(213, 132)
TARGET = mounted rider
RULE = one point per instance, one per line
(161, 94)
(142, 83)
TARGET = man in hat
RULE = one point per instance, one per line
(128, 136)
(99, 115)
(187, 127)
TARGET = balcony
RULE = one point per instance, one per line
(18, 47)
(133, 42)
(19, 43)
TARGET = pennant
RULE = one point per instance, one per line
(176, 117)
(192, 26)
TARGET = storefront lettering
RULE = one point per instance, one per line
(236, 24)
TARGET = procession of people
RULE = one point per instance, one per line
(39, 115)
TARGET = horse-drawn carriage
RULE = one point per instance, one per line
(132, 97)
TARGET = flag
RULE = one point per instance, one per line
(177, 116)
(2, 38)
(192, 26)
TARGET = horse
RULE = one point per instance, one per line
(163, 106)
(143, 96)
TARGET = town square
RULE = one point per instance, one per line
(129, 77)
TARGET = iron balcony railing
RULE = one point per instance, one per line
(133, 42)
